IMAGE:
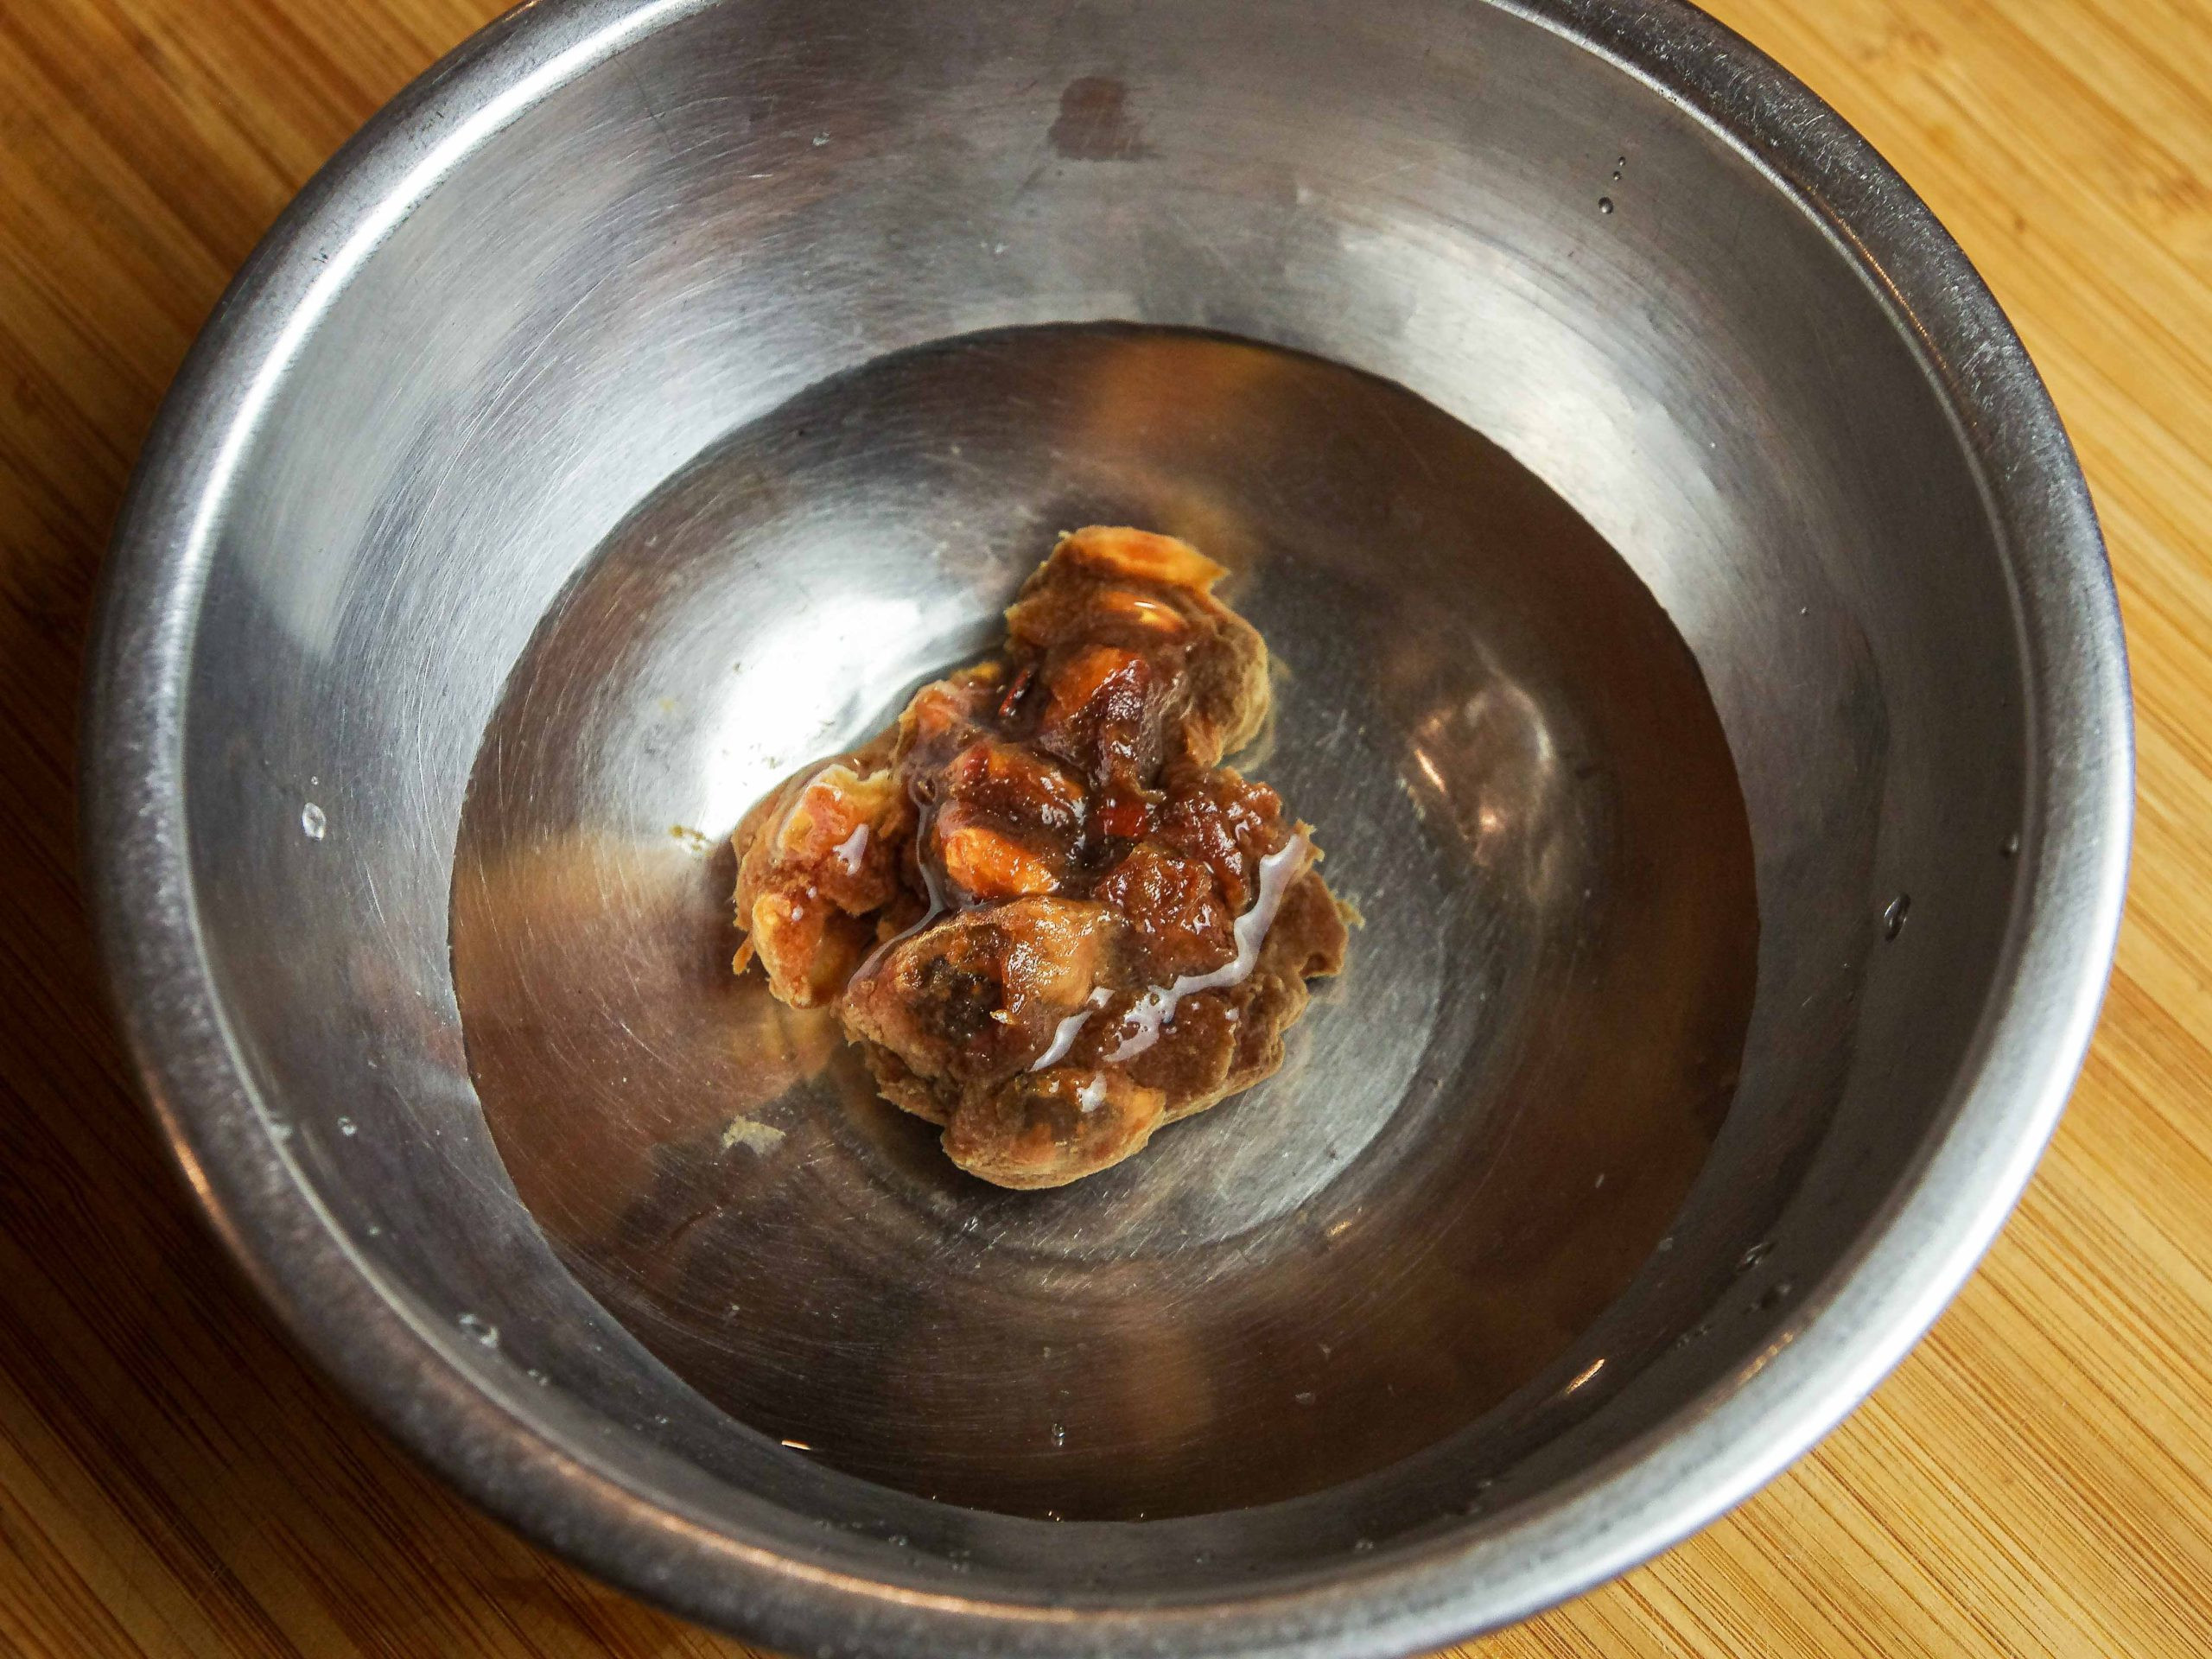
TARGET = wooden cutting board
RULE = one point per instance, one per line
(2036, 1479)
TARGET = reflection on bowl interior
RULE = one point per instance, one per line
(1480, 1133)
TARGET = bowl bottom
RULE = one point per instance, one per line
(1482, 1130)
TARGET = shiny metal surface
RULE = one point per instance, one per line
(611, 238)
(1482, 1130)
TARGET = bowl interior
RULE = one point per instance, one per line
(1481, 1133)
(1624, 564)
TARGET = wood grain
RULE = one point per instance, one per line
(2034, 1481)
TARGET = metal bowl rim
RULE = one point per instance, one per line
(558, 1487)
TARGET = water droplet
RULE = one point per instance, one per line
(313, 821)
(1604, 204)
(1361, 1546)
(1757, 1254)
(2011, 848)
(349, 1128)
(1894, 914)
(897, 1540)
(1059, 1433)
(538, 1377)
(482, 1330)
(1774, 1296)
(1305, 1396)
(820, 139)
(1668, 1242)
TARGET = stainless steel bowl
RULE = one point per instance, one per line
(1700, 663)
